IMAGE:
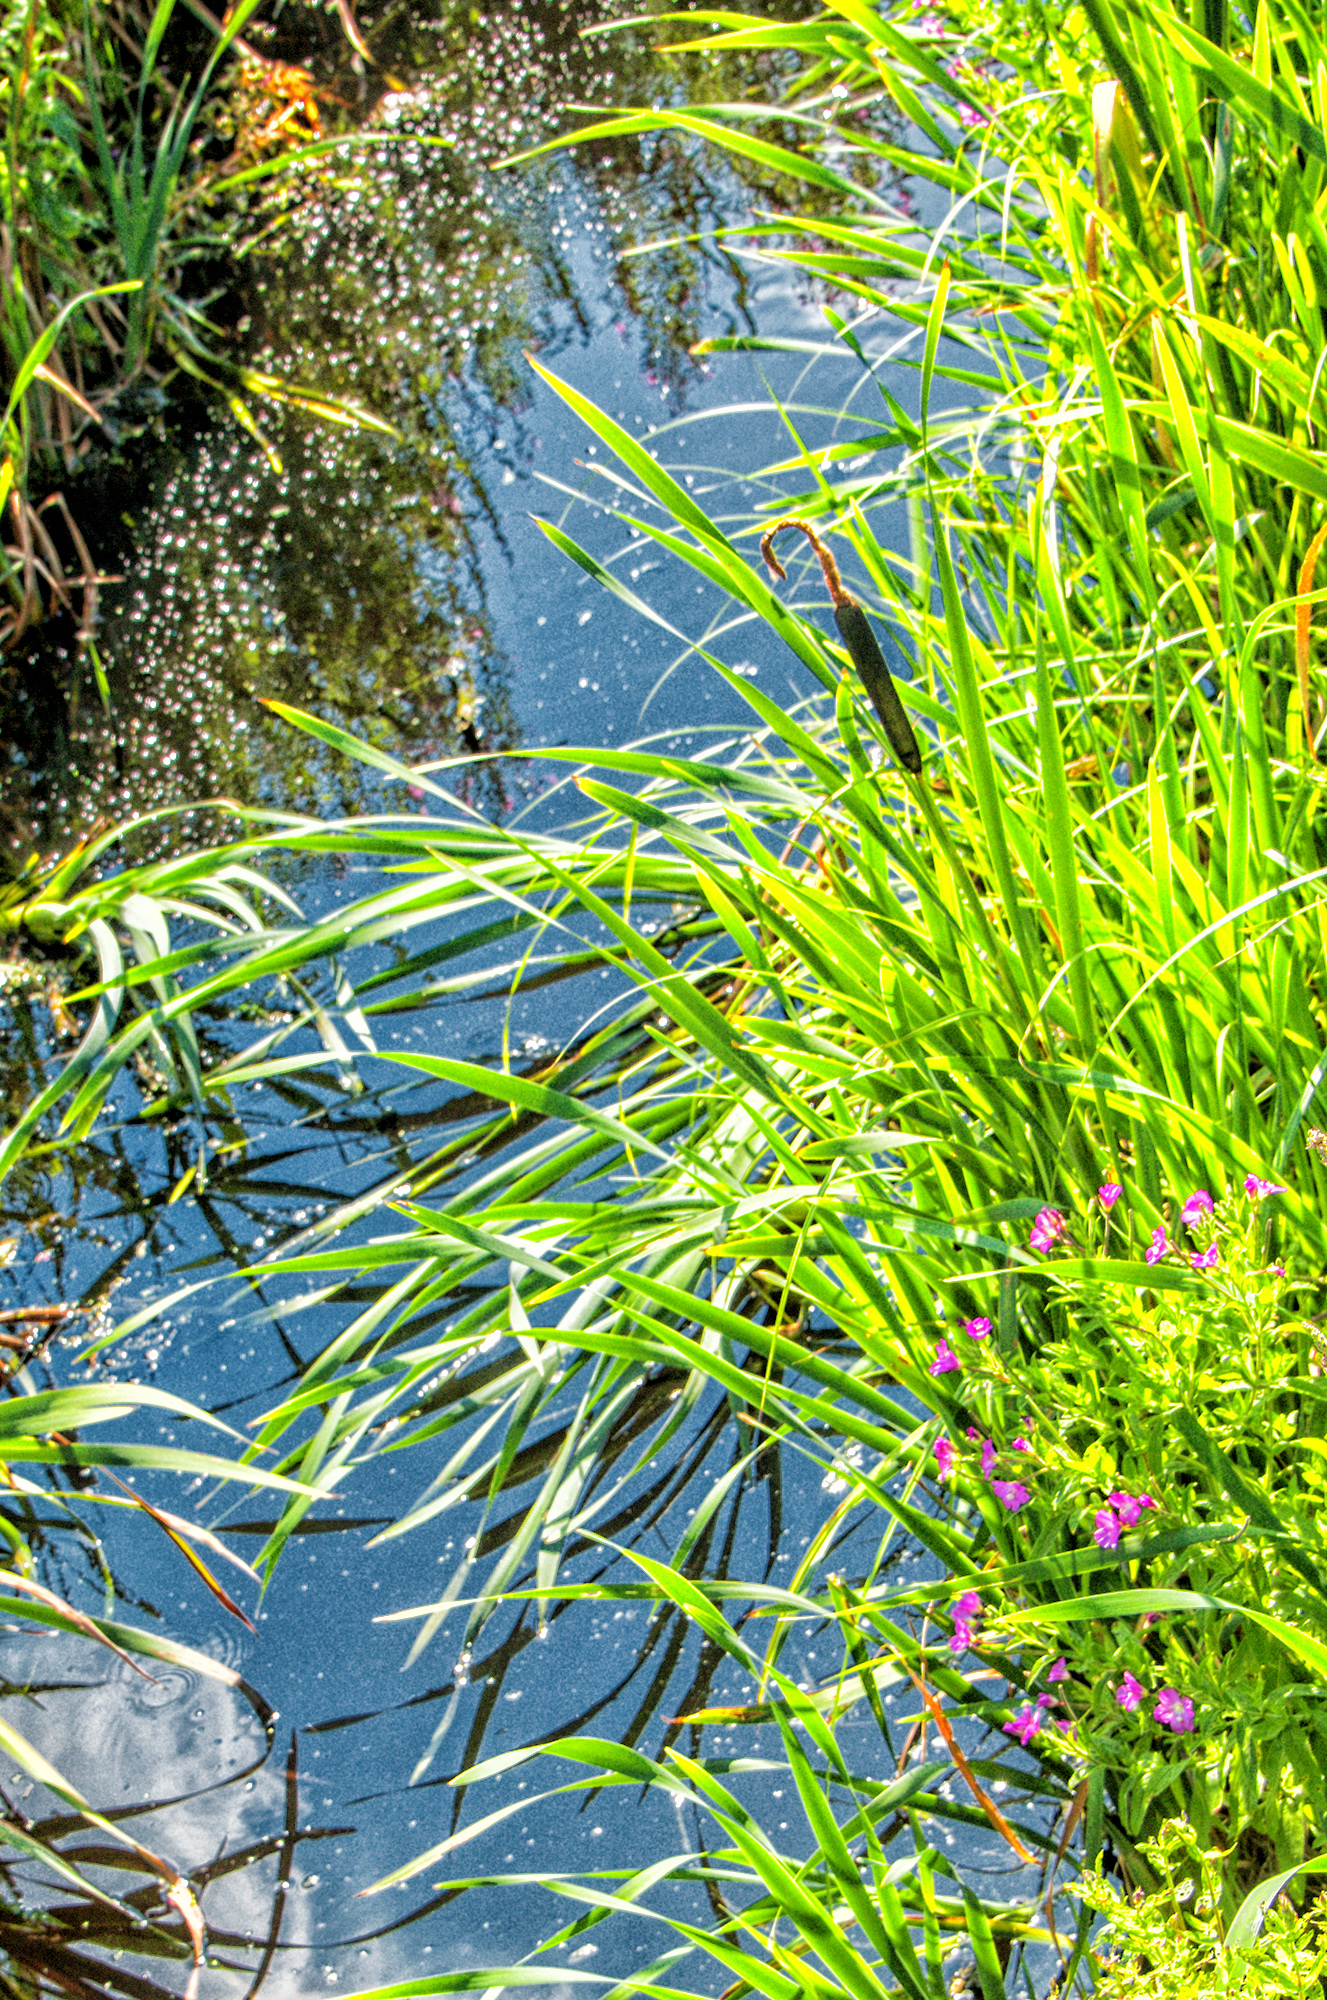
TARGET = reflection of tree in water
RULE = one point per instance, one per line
(407, 278)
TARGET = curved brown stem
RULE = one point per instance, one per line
(837, 594)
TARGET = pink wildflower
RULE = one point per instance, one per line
(1011, 1493)
(1158, 1247)
(1026, 1724)
(1198, 1205)
(1129, 1508)
(1130, 1692)
(1020, 1444)
(1109, 1193)
(1047, 1229)
(965, 1611)
(1205, 1260)
(1106, 1533)
(1260, 1189)
(1174, 1711)
(946, 1361)
(1058, 1671)
(988, 1457)
(944, 1457)
(976, 1329)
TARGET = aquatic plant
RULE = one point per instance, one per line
(109, 203)
(890, 1058)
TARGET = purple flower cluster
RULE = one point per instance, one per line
(1011, 1493)
(1199, 1205)
(1120, 1510)
(946, 1361)
(1050, 1228)
(966, 1611)
(1125, 1510)
(1173, 1710)
(1029, 1721)
(1047, 1230)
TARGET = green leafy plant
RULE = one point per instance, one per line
(870, 1025)
(1173, 1945)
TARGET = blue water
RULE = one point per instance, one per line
(332, 1807)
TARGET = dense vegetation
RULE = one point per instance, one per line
(954, 1123)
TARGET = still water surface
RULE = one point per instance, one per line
(287, 1802)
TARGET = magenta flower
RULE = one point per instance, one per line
(1174, 1711)
(1158, 1247)
(1199, 1204)
(976, 1329)
(973, 1433)
(1020, 1444)
(1128, 1508)
(1130, 1692)
(1260, 1189)
(1047, 1230)
(1026, 1724)
(988, 1457)
(965, 1611)
(1109, 1193)
(1205, 1260)
(1058, 1671)
(1106, 1533)
(946, 1361)
(944, 1457)
(1011, 1493)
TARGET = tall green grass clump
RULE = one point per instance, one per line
(119, 205)
(944, 1004)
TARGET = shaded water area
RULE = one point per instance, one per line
(401, 590)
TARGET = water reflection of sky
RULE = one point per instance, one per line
(333, 1807)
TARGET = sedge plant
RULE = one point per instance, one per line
(878, 1023)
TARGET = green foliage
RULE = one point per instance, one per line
(1170, 1447)
(868, 1023)
(109, 205)
(1172, 1945)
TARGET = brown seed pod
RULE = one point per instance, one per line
(860, 640)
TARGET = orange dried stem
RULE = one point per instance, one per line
(984, 1800)
(830, 569)
(1303, 620)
